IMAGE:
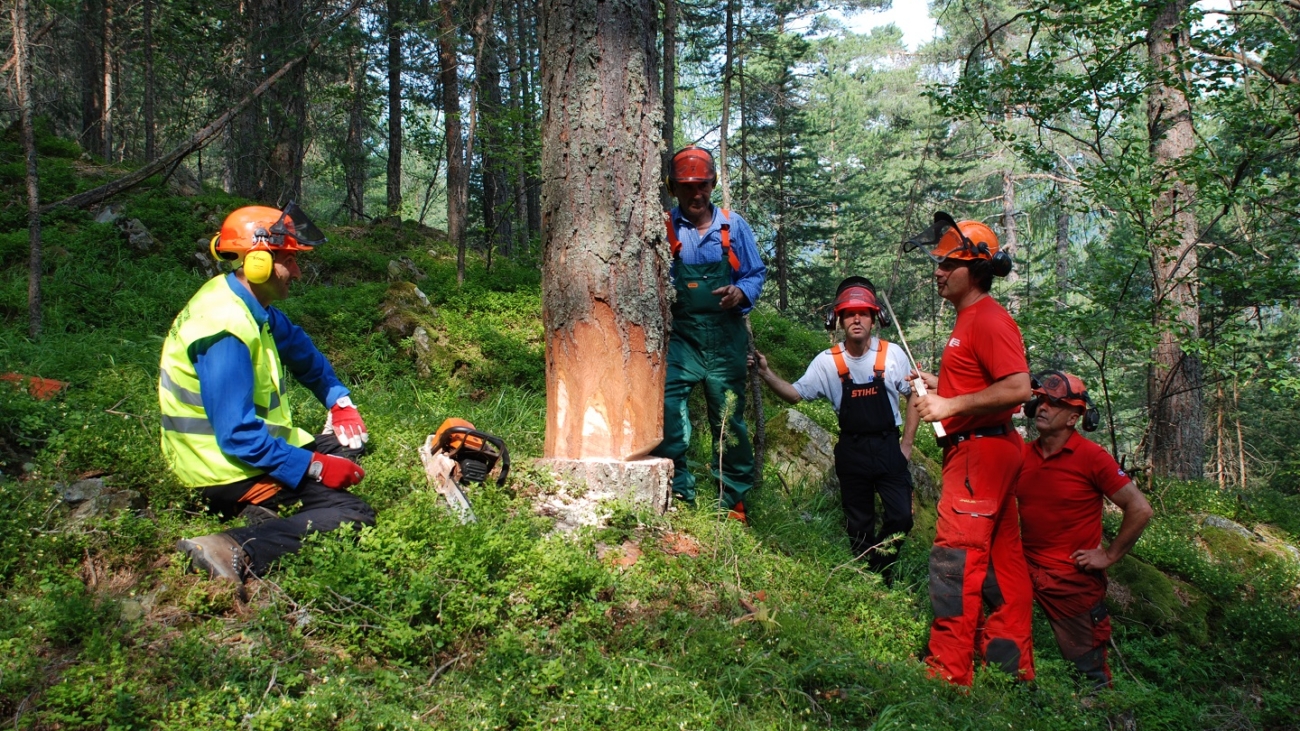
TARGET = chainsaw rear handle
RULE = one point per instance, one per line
(445, 439)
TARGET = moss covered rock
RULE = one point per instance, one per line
(1140, 593)
(801, 451)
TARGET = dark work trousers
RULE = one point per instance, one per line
(323, 510)
(868, 465)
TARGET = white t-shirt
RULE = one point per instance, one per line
(822, 379)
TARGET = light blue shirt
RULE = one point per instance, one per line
(706, 248)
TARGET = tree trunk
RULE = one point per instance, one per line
(245, 138)
(457, 175)
(605, 258)
(670, 95)
(514, 35)
(23, 82)
(287, 106)
(92, 75)
(355, 160)
(532, 60)
(724, 127)
(394, 107)
(106, 120)
(1010, 240)
(496, 227)
(1062, 247)
(1174, 385)
(150, 121)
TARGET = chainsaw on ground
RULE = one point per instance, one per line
(458, 454)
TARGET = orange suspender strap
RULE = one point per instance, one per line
(880, 359)
(726, 243)
(838, 354)
(675, 244)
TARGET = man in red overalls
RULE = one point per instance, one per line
(983, 379)
(1060, 492)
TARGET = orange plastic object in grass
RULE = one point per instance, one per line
(43, 389)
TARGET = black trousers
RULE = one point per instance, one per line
(867, 466)
(323, 510)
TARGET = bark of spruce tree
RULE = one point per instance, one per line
(23, 83)
(1174, 384)
(394, 182)
(604, 271)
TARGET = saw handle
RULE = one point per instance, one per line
(918, 383)
(467, 435)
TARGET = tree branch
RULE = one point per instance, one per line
(196, 141)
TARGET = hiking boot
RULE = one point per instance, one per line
(217, 555)
(738, 513)
(255, 515)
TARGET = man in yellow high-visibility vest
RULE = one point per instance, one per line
(227, 428)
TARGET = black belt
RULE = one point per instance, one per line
(882, 433)
(953, 440)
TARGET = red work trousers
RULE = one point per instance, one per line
(977, 556)
(1075, 604)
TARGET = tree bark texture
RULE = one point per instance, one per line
(394, 106)
(1174, 385)
(1010, 241)
(286, 103)
(605, 259)
(457, 170)
(23, 81)
(724, 126)
(92, 75)
(355, 160)
(150, 115)
(106, 120)
(670, 94)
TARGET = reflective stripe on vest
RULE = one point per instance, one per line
(675, 244)
(189, 443)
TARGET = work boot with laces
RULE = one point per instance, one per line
(217, 555)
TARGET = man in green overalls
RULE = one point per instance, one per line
(717, 275)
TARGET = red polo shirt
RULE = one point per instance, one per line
(985, 347)
(1061, 499)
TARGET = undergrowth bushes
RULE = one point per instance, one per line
(421, 622)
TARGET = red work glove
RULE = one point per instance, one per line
(345, 423)
(334, 472)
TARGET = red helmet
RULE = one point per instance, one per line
(692, 164)
(1062, 388)
(856, 297)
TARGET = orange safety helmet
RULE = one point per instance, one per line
(1060, 387)
(254, 228)
(966, 241)
(692, 164)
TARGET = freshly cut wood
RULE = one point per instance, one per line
(604, 272)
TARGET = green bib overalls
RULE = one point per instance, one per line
(708, 345)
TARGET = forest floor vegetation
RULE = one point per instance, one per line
(683, 620)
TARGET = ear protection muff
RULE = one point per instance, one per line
(258, 266)
(1001, 262)
(1091, 416)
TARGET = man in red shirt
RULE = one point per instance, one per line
(984, 377)
(1060, 492)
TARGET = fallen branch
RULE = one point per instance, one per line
(198, 139)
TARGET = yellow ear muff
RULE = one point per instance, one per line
(258, 266)
(212, 246)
